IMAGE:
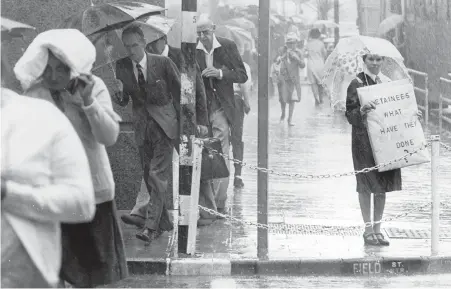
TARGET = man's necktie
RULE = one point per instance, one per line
(378, 80)
(141, 79)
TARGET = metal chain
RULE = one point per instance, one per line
(324, 176)
(445, 205)
(445, 146)
(301, 228)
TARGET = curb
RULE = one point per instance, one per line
(354, 267)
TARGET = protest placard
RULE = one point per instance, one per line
(393, 127)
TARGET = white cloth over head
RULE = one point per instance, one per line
(69, 45)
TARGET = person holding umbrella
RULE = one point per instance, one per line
(57, 67)
(40, 188)
(158, 27)
(373, 183)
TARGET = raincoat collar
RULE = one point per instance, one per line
(216, 44)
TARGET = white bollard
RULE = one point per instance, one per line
(435, 220)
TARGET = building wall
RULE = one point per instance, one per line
(428, 34)
(46, 14)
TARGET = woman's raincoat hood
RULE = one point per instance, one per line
(69, 45)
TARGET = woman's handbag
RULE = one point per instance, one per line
(213, 164)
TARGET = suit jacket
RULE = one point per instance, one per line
(161, 100)
(229, 60)
(176, 55)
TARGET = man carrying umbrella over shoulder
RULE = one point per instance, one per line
(139, 213)
(153, 83)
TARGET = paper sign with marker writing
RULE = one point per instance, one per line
(393, 127)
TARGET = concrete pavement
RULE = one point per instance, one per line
(322, 231)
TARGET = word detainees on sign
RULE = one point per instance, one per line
(393, 127)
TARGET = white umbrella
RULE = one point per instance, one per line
(346, 61)
(390, 23)
(325, 23)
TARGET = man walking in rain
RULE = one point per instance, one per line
(221, 66)
(160, 47)
(153, 83)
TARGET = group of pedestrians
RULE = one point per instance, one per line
(57, 182)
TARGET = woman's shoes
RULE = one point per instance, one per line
(371, 239)
(380, 237)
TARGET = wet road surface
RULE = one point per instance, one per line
(419, 281)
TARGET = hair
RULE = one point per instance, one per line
(366, 55)
(315, 33)
(133, 29)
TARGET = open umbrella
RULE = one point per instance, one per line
(110, 16)
(345, 62)
(155, 27)
(242, 38)
(324, 24)
(390, 23)
(13, 29)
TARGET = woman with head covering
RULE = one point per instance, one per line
(291, 62)
(45, 180)
(374, 182)
(57, 67)
(317, 54)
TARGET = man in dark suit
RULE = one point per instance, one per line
(153, 84)
(221, 66)
(139, 213)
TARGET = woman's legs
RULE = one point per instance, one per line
(365, 208)
(379, 206)
(290, 112)
(283, 107)
(316, 93)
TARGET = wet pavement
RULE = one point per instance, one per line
(154, 281)
(320, 143)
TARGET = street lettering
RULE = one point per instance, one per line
(367, 268)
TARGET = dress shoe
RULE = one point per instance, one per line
(202, 222)
(380, 237)
(134, 220)
(238, 182)
(148, 235)
(370, 239)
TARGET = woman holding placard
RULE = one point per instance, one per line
(372, 183)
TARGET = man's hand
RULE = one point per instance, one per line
(202, 131)
(368, 107)
(118, 96)
(419, 115)
(86, 89)
(247, 107)
(211, 72)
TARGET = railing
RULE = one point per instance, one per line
(424, 91)
(444, 99)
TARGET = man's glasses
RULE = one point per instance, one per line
(376, 59)
(204, 32)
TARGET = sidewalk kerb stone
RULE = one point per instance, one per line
(351, 266)
(200, 267)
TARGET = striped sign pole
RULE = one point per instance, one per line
(189, 151)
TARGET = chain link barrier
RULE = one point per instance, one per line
(321, 176)
(303, 228)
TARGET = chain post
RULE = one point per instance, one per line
(435, 221)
